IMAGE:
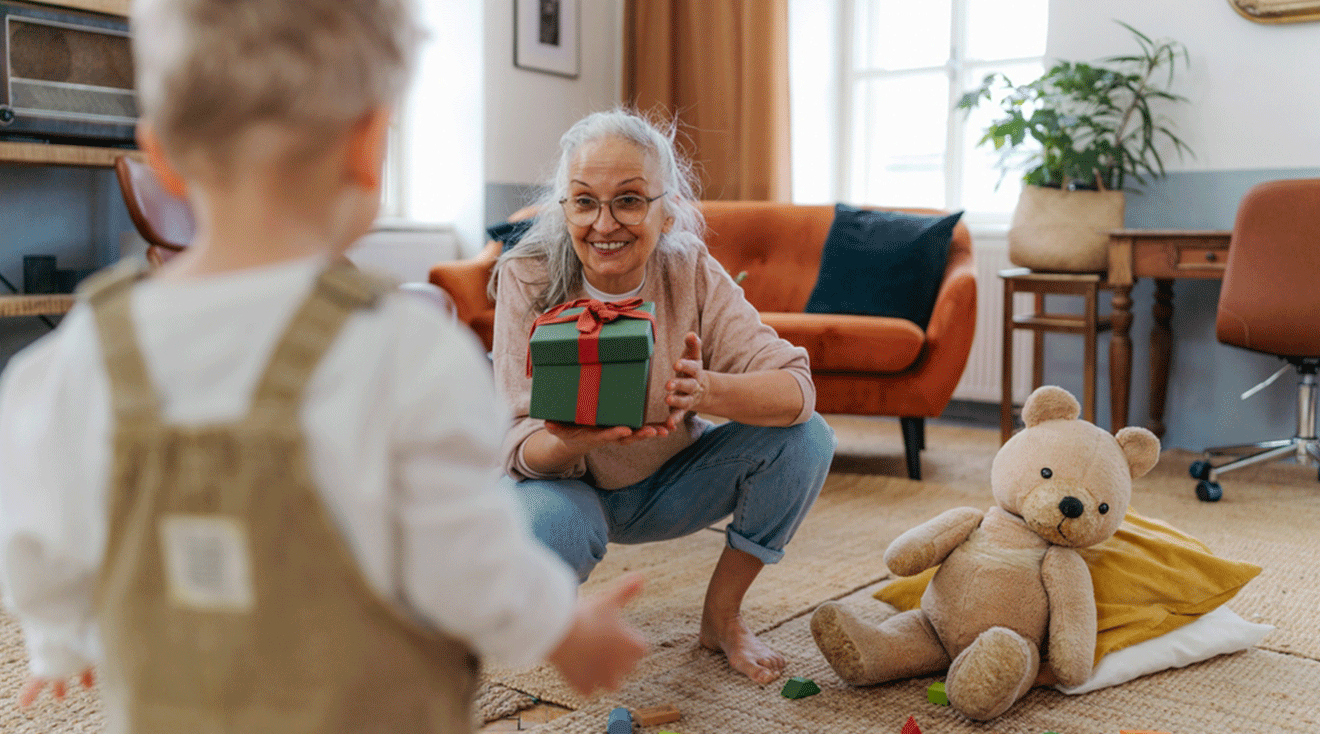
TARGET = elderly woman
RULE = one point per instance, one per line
(620, 221)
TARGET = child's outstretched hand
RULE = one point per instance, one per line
(600, 649)
(34, 685)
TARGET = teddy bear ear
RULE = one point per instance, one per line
(1141, 448)
(1049, 403)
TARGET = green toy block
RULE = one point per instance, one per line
(936, 695)
(624, 369)
(800, 688)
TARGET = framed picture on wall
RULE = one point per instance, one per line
(1278, 11)
(545, 36)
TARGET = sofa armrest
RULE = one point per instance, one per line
(951, 329)
(465, 282)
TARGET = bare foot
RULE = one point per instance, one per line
(745, 651)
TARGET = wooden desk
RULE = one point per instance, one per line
(1165, 255)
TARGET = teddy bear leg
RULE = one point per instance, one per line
(863, 654)
(994, 671)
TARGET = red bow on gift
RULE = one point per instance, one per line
(594, 315)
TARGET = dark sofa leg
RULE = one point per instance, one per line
(914, 440)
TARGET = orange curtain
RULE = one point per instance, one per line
(721, 67)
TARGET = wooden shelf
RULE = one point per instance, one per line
(109, 7)
(42, 154)
(36, 304)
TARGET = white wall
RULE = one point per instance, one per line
(527, 111)
(1252, 86)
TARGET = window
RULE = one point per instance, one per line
(904, 66)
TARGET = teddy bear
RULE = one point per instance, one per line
(1011, 593)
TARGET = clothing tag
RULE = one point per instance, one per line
(207, 564)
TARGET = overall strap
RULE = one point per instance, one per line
(338, 292)
(109, 294)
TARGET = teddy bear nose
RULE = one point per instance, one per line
(1071, 507)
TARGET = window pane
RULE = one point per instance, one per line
(899, 128)
(1006, 29)
(902, 35)
(980, 172)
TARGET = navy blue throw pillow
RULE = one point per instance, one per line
(508, 233)
(879, 263)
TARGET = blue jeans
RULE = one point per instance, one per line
(766, 477)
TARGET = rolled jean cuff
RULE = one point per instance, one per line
(740, 542)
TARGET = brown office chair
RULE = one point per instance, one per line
(163, 219)
(1268, 303)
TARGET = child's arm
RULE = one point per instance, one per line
(600, 649)
(467, 562)
(53, 420)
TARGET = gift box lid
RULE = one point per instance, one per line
(622, 340)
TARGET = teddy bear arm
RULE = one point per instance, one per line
(1072, 615)
(929, 543)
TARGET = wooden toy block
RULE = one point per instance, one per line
(935, 694)
(653, 715)
(799, 688)
(911, 727)
(620, 722)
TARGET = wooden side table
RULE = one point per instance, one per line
(1088, 324)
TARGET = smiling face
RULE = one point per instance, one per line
(614, 256)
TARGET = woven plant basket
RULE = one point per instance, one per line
(1065, 231)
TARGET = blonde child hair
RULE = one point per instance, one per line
(220, 80)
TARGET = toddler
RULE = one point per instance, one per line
(256, 491)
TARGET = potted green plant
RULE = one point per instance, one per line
(1083, 133)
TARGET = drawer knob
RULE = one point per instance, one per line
(1211, 257)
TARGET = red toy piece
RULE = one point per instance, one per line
(911, 727)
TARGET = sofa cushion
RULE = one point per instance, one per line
(882, 263)
(509, 233)
(847, 343)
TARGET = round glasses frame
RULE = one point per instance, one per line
(585, 217)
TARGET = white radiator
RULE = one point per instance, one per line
(981, 380)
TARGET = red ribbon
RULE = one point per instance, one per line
(595, 314)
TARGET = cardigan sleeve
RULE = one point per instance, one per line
(518, 280)
(735, 340)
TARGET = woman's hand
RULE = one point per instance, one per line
(582, 439)
(34, 685)
(690, 383)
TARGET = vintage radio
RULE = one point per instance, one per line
(65, 76)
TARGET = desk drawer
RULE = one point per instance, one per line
(1200, 258)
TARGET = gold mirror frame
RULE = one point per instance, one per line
(1277, 11)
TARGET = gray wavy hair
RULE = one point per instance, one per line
(549, 238)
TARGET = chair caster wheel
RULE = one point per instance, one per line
(1208, 491)
(1199, 470)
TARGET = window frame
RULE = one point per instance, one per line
(962, 74)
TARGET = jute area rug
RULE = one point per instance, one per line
(1269, 516)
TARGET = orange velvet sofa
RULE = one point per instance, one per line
(861, 365)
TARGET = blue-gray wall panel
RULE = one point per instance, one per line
(1206, 378)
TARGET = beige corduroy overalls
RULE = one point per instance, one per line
(229, 600)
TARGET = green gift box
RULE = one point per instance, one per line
(590, 362)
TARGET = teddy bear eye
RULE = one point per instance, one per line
(1046, 472)
(1103, 508)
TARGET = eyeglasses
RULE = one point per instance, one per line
(627, 209)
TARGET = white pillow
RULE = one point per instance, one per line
(1214, 633)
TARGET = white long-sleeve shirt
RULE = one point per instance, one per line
(403, 431)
